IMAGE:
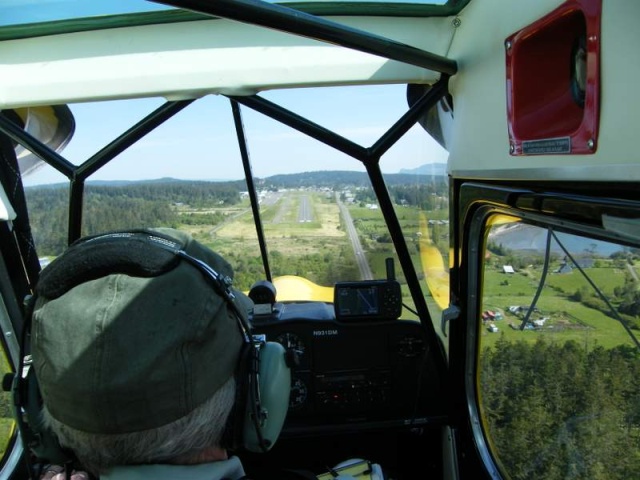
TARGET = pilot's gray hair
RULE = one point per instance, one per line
(171, 443)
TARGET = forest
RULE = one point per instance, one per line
(112, 207)
(340, 179)
(562, 411)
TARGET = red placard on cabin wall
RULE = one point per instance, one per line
(553, 82)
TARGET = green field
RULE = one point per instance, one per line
(567, 319)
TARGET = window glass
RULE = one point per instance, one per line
(318, 212)
(559, 369)
(17, 12)
(48, 209)
(420, 195)
(305, 193)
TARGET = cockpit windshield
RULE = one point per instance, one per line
(317, 209)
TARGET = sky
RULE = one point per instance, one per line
(200, 141)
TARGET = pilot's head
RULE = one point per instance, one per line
(135, 349)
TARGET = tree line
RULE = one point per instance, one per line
(336, 179)
(116, 207)
(426, 196)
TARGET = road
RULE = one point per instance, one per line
(363, 264)
(229, 219)
(305, 213)
(282, 209)
(633, 272)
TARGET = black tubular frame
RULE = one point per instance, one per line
(292, 21)
(253, 195)
(38, 148)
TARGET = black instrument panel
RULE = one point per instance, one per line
(346, 375)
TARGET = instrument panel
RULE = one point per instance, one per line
(350, 374)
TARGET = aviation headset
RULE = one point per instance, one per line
(263, 377)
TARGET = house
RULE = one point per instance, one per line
(508, 269)
(564, 268)
(585, 262)
(516, 309)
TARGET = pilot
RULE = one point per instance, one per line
(137, 353)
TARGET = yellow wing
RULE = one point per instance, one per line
(293, 288)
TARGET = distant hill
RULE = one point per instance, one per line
(338, 178)
(330, 178)
(435, 169)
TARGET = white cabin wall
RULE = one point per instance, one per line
(480, 142)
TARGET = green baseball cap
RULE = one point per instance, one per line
(127, 335)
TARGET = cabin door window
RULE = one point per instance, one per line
(558, 362)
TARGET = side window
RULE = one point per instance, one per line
(559, 363)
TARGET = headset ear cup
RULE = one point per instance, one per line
(265, 414)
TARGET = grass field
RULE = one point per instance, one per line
(566, 319)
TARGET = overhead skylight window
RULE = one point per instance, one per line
(23, 12)
(18, 12)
